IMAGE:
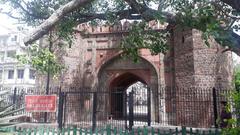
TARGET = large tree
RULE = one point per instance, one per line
(216, 18)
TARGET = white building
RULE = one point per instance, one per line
(13, 73)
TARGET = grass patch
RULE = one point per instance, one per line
(5, 133)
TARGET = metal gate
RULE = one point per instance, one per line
(119, 108)
(139, 104)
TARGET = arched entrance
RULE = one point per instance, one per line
(117, 75)
(119, 100)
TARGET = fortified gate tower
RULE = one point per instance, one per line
(94, 62)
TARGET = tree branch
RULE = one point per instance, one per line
(235, 4)
(27, 12)
(53, 20)
(136, 6)
(142, 11)
(123, 14)
(149, 14)
(139, 9)
(10, 15)
(161, 5)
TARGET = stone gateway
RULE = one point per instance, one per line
(94, 62)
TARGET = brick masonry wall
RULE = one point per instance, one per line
(196, 64)
(96, 53)
(200, 67)
(212, 67)
(183, 58)
(93, 62)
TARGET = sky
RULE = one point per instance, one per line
(6, 23)
(236, 59)
(9, 23)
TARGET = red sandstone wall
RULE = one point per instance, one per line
(200, 67)
(90, 52)
(189, 63)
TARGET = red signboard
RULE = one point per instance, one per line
(40, 103)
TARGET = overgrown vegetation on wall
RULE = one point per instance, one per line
(237, 77)
(233, 106)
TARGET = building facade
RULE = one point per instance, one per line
(12, 73)
(95, 56)
(94, 62)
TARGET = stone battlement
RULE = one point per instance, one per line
(117, 28)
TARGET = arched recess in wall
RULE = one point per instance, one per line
(117, 65)
(120, 72)
(125, 80)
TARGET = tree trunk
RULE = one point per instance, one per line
(48, 24)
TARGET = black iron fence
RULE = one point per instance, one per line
(124, 109)
(98, 109)
(192, 107)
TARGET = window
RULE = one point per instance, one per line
(20, 73)
(11, 54)
(3, 41)
(32, 74)
(10, 74)
(1, 74)
(1, 56)
(14, 38)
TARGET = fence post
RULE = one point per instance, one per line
(149, 106)
(14, 98)
(125, 108)
(215, 107)
(65, 108)
(94, 111)
(184, 130)
(108, 129)
(130, 110)
(14, 95)
(60, 110)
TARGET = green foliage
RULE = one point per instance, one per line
(231, 131)
(65, 30)
(143, 37)
(235, 103)
(233, 107)
(210, 17)
(41, 59)
(204, 16)
(237, 78)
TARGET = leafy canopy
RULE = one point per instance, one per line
(214, 18)
(234, 108)
(141, 36)
(237, 77)
(41, 59)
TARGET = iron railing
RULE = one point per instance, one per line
(191, 107)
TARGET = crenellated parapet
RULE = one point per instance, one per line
(116, 28)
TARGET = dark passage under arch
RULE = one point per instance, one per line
(119, 99)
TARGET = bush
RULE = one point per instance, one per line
(234, 123)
